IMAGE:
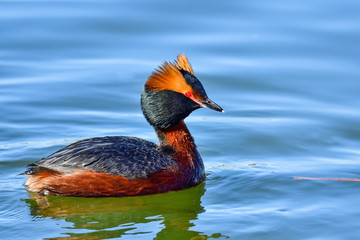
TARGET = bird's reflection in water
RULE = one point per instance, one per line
(160, 216)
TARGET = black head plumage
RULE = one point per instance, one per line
(172, 93)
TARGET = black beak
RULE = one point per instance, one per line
(210, 104)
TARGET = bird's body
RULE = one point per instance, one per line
(128, 166)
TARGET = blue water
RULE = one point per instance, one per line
(286, 73)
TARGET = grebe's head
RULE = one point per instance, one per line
(172, 92)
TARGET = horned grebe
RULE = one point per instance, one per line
(128, 166)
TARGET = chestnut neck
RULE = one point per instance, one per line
(179, 140)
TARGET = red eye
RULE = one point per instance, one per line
(188, 94)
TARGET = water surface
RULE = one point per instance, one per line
(286, 73)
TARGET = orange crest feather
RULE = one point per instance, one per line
(169, 77)
(183, 64)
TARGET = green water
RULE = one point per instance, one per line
(286, 73)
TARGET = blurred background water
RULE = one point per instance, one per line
(286, 72)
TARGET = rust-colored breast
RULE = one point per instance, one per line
(88, 183)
